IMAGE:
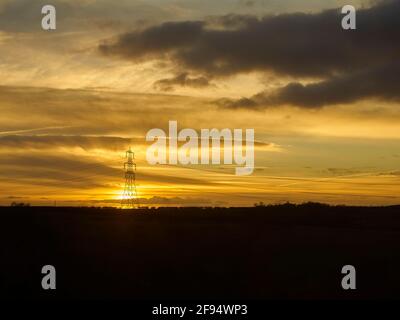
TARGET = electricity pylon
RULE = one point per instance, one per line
(130, 199)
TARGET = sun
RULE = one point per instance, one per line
(119, 195)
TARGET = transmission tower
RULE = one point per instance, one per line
(130, 199)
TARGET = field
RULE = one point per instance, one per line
(272, 252)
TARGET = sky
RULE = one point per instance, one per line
(323, 102)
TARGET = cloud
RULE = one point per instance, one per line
(238, 103)
(84, 142)
(378, 83)
(25, 15)
(184, 80)
(292, 44)
(392, 173)
(90, 112)
(157, 201)
(155, 40)
(59, 170)
(343, 171)
(64, 170)
(349, 64)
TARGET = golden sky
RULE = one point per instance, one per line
(324, 103)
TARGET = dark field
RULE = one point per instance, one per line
(277, 252)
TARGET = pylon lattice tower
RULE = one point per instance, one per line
(130, 198)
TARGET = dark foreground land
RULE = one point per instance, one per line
(274, 252)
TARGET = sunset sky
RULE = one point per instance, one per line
(324, 102)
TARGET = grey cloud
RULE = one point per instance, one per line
(291, 44)
(379, 83)
(155, 40)
(350, 65)
(183, 80)
(248, 103)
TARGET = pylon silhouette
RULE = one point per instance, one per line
(130, 199)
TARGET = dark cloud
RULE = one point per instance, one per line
(379, 83)
(182, 80)
(292, 44)
(155, 41)
(238, 103)
(350, 64)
